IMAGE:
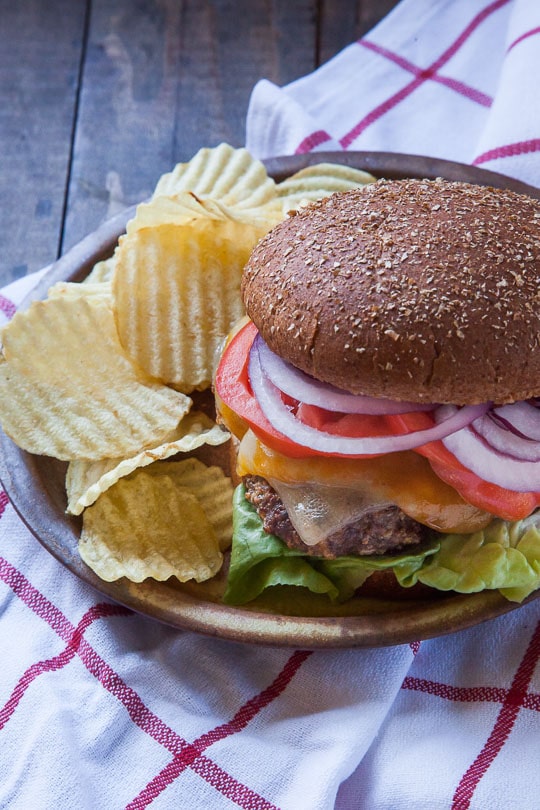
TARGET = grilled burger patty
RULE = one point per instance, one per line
(382, 529)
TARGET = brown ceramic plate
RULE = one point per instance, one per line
(35, 486)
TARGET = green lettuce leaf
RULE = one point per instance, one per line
(260, 560)
(503, 556)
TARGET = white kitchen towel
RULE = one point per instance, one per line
(104, 708)
(454, 79)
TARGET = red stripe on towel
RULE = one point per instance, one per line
(508, 150)
(453, 84)
(428, 73)
(524, 36)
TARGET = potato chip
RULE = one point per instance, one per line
(176, 290)
(185, 207)
(222, 173)
(178, 209)
(317, 181)
(210, 486)
(87, 480)
(102, 271)
(71, 289)
(147, 526)
(68, 389)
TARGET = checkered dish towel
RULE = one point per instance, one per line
(103, 708)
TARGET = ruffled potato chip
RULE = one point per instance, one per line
(69, 390)
(177, 209)
(70, 289)
(176, 291)
(318, 181)
(102, 271)
(87, 480)
(185, 207)
(147, 526)
(212, 488)
(222, 173)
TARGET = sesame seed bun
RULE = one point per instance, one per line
(421, 290)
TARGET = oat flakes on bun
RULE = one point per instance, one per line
(385, 392)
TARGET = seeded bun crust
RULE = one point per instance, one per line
(419, 290)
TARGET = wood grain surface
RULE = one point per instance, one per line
(100, 97)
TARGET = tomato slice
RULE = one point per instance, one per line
(504, 503)
(240, 410)
(354, 425)
(235, 401)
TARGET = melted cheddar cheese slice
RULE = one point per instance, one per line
(405, 479)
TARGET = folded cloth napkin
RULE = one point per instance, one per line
(454, 79)
(103, 708)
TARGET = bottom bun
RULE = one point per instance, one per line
(384, 585)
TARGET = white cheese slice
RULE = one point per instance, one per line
(316, 511)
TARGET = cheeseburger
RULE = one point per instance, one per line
(385, 392)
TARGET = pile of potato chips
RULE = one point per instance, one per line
(100, 373)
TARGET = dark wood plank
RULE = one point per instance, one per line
(344, 21)
(166, 79)
(159, 79)
(233, 45)
(40, 51)
(371, 12)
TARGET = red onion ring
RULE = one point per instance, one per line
(522, 417)
(299, 385)
(485, 461)
(282, 419)
(506, 440)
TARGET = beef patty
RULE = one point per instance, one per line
(383, 529)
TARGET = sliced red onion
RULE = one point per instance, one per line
(522, 417)
(488, 463)
(506, 440)
(282, 419)
(296, 383)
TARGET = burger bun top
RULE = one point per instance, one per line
(420, 290)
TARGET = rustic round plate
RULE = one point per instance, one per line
(35, 485)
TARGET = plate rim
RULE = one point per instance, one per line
(242, 624)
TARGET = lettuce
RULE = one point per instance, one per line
(503, 556)
(260, 560)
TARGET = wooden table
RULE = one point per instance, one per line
(100, 97)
